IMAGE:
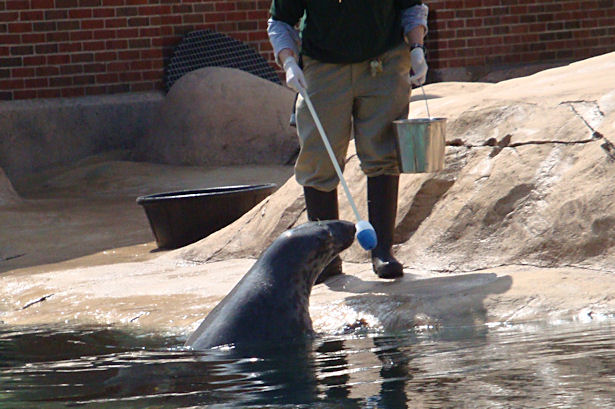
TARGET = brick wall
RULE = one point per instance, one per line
(65, 48)
(483, 35)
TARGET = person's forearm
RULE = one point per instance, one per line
(284, 54)
(414, 23)
(416, 35)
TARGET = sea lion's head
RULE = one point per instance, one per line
(308, 248)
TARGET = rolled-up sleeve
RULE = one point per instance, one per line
(281, 36)
(414, 16)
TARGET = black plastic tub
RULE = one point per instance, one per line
(183, 217)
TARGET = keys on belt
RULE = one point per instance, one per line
(375, 67)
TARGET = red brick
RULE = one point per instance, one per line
(20, 27)
(34, 60)
(152, 75)
(23, 72)
(150, 10)
(84, 79)
(94, 68)
(9, 16)
(92, 24)
(126, 12)
(25, 94)
(103, 13)
(68, 25)
(31, 15)
(48, 93)
(150, 54)
(8, 39)
(71, 69)
(96, 90)
(116, 23)
(57, 36)
(139, 43)
(150, 32)
(42, 4)
(112, 3)
(67, 4)
(17, 4)
(247, 5)
(58, 59)
(192, 19)
(104, 34)
(204, 8)
(260, 15)
(12, 84)
(116, 44)
(72, 92)
(236, 16)
(105, 56)
(225, 6)
(21, 50)
(214, 17)
(89, 3)
(130, 76)
(80, 13)
(82, 58)
(128, 55)
(81, 35)
(60, 81)
(139, 65)
(106, 78)
(128, 33)
(138, 21)
(69, 47)
(182, 8)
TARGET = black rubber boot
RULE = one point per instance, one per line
(323, 206)
(382, 208)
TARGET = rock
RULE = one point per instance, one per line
(526, 199)
(222, 116)
(528, 179)
(8, 196)
(42, 133)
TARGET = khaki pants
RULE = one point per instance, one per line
(348, 98)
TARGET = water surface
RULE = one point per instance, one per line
(530, 366)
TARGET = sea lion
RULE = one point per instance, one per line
(270, 303)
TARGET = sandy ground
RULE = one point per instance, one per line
(86, 255)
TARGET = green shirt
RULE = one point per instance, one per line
(344, 31)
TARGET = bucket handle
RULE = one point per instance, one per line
(425, 99)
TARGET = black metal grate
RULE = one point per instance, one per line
(205, 48)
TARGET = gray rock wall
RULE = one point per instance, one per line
(37, 134)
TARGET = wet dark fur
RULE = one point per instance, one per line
(271, 301)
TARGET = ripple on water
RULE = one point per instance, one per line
(571, 365)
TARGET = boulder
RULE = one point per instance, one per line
(222, 116)
(528, 180)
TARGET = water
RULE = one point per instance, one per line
(563, 366)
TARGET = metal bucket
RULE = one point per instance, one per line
(420, 144)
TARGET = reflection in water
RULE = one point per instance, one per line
(561, 366)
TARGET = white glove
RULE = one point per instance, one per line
(419, 66)
(294, 75)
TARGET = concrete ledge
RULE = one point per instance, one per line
(37, 134)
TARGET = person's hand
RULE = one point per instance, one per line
(294, 75)
(419, 66)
